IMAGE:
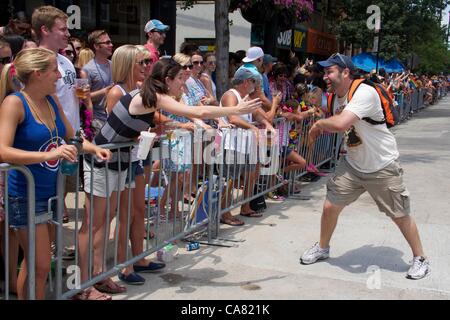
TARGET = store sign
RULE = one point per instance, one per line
(284, 39)
(321, 43)
(300, 39)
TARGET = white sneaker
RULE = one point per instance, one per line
(420, 268)
(314, 254)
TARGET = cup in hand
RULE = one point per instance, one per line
(81, 88)
(145, 144)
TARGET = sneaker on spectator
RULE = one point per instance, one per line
(314, 254)
(420, 268)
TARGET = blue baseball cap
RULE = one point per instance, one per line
(267, 58)
(156, 24)
(338, 59)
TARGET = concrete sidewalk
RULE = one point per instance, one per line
(266, 265)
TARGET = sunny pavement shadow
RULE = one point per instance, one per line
(358, 260)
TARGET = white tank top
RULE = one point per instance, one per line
(238, 139)
(247, 117)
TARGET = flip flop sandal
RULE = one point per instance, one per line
(275, 197)
(90, 295)
(108, 286)
(232, 222)
(251, 214)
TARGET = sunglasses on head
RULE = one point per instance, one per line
(145, 61)
(187, 66)
(340, 58)
(5, 60)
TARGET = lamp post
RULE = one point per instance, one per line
(377, 41)
(374, 23)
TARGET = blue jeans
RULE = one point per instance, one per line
(18, 212)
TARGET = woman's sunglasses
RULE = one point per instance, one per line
(145, 62)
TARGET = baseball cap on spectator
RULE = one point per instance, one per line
(243, 74)
(253, 53)
(156, 25)
(267, 58)
(339, 60)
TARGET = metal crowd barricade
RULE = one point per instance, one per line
(420, 103)
(399, 99)
(31, 279)
(168, 182)
(269, 176)
(414, 100)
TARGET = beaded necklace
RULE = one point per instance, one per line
(52, 114)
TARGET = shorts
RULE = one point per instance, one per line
(285, 152)
(236, 164)
(18, 212)
(136, 170)
(179, 154)
(116, 180)
(385, 186)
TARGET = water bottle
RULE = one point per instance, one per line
(192, 246)
(67, 167)
(168, 253)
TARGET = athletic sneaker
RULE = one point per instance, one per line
(420, 268)
(314, 254)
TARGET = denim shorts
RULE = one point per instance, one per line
(136, 170)
(18, 212)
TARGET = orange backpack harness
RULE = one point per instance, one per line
(391, 115)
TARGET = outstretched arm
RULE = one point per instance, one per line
(203, 112)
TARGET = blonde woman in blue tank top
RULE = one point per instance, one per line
(33, 128)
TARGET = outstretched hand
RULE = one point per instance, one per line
(248, 106)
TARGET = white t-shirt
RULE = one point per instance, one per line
(370, 148)
(65, 90)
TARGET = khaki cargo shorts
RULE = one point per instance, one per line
(386, 188)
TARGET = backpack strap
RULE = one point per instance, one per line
(355, 84)
(353, 87)
(373, 122)
(330, 102)
(330, 99)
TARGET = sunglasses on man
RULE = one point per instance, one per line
(105, 42)
(159, 31)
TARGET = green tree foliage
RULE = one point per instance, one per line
(407, 26)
